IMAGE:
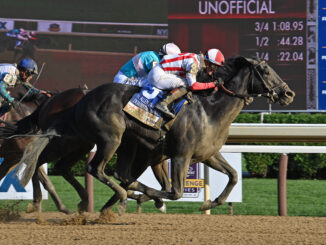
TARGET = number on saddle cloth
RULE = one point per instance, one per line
(141, 106)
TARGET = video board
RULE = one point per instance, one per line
(281, 32)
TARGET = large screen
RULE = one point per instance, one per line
(281, 32)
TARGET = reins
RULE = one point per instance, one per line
(247, 96)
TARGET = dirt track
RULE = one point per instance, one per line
(57, 228)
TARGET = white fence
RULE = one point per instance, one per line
(92, 29)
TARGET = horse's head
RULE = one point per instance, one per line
(264, 81)
(277, 90)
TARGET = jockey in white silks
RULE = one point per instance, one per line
(178, 72)
(10, 74)
(135, 71)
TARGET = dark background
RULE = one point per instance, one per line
(72, 60)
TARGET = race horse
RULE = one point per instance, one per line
(198, 133)
(40, 119)
(12, 149)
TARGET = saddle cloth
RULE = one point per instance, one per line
(141, 106)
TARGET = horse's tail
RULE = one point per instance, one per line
(27, 164)
(27, 125)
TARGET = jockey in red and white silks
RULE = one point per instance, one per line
(178, 71)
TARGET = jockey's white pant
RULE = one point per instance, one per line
(165, 81)
(135, 81)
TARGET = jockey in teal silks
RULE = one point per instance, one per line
(135, 71)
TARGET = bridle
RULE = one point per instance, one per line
(271, 94)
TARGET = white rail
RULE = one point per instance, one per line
(264, 132)
(285, 149)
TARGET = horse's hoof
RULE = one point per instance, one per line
(206, 205)
(122, 206)
(30, 208)
(66, 211)
(82, 207)
(163, 208)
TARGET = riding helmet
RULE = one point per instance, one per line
(28, 65)
(215, 56)
(169, 48)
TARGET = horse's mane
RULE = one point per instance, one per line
(231, 67)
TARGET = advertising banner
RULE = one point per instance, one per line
(54, 26)
(6, 24)
(11, 189)
(322, 55)
(194, 184)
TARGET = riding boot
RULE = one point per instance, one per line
(162, 105)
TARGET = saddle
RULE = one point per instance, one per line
(141, 107)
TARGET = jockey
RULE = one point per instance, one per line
(135, 71)
(178, 72)
(32, 35)
(20, 35)
(9, 76)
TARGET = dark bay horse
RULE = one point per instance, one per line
(12, 149)
(198, 133)
(45, 109)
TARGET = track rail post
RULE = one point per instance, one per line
(282, 172)
(207, 195)
(89, 184)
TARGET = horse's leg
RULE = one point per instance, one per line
(5, 167)
(37, 194)
(96, 168)
(161, 173)
(218, 163)
(137, 168)
(64, 166)
(179, 171)
(46, 182)
(139, 198)
(127, 175)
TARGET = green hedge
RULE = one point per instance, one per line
(300, 166)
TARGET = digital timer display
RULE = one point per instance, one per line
(281, 32)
